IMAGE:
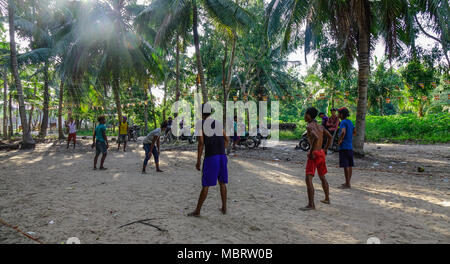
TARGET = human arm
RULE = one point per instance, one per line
(105, 137)
(154, 142)
(158, 143)
(93, 139)
(342, 135)
(312, 136)
(329, 139)
(225, 139)
(199, 151)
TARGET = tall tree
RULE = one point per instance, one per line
(175, 12)
(28, 141)
(354, 24)
(5, 102)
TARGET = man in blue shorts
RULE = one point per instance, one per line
(347, 131)
(214, 165)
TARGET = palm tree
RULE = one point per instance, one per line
(5, 101)
(106, 47)
(354, 24)
(176, 12)
(28, 141)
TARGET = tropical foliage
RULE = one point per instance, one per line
(82, 59)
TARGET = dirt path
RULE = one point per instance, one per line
(53, 193)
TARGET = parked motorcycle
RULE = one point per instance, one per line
(133, 133)
(305, 145)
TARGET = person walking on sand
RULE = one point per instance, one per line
(316, 157)
(72, 126)
(100, 141)
(347, 131)
(151, 146)
(123, 132)
(214, 165)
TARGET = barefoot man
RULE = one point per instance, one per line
(152, 144)
(316, 157)
(100, 141)
(214, 165)
(346, 146)
(72, 126)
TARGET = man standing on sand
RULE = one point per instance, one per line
(316, 157)
(123, 132)
(214, 165)
(100, 141)
(72, 126)
(347, 131)
(152, 146)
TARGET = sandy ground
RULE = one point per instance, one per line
(54, 194)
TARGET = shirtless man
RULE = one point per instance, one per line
(316, 157)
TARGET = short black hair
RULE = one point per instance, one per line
(206, 115)
(321, 113)
(344, 111)
(312, 112)
(101, 118)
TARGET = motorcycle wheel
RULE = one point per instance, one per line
(251, 143)
(304, 145)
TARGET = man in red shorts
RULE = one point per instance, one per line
(316, 157)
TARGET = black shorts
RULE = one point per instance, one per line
(346, 158)
(122, 138)
(100, 147)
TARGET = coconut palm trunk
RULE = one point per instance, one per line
(145, 111)
(165, 97)
(11, 128)
(5, 102)
(153, 106)
(30, 118)
(224, 80)
(44, 124)
(177, 87)
(60, 105)
(363, 82)
(28, 141)
(230, 72)
(116, 92)
(197, 52)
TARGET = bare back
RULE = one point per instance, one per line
(315, 135)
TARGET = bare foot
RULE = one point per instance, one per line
(307, 208)
(159, 171)
(95, 168)
(194, 214)
(143, 172)
(326, 201)
(224, 211)
(103, 168)
(344, 186)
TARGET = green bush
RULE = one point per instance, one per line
(433, 128)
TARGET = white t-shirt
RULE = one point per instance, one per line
(149, 138)
(72, 127)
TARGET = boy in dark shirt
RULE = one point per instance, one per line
(214, 165)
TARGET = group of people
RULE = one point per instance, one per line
(317, 154)
(214, 166)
